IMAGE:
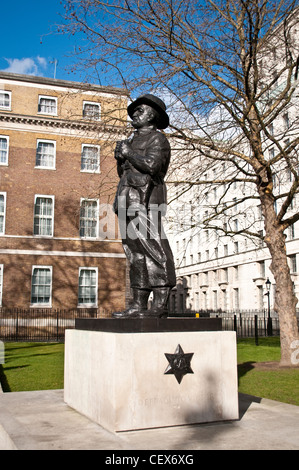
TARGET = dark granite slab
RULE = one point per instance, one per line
(148, 325)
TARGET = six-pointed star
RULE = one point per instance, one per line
(179, 363)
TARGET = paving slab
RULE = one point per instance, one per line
(40, 420)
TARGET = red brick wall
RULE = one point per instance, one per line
(18, 271)
(22, 181)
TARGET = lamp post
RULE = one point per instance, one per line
(269, 324)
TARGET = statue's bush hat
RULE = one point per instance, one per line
(155, 103)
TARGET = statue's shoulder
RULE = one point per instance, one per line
(158, 136)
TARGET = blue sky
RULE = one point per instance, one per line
(28, 42)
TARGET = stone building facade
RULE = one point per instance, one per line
(224, 271)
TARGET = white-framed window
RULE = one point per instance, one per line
(43, 216)
(2, 212)
(89, 218)
(1, 283)
(4, 148)
(5, 100)
(91, 110)
(88, 287)
(47, 105)
(41, 286)
(45, 154)
(293, 263)
(90, 158)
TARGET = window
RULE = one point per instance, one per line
(2, 212)
(89, 218)
(88, 287)
(234, 204)
(47, 105)
(293, 263)
(204, 300)
(236, 273)
(5, 100)
(262, 268)
(286, 121)
(291, 232)
(1, 283)
(44, 216)
(272, 152)
(236, 298)
(90, 158)
(41, 286)
(91, 110)
(4, 144)
(215, 300)
(224, 299)
(45, 154)
(260, 297)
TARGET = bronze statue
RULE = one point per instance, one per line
(140, 203)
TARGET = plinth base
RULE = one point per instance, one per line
(126, 381)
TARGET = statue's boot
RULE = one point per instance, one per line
(160, 300)
(138, 306)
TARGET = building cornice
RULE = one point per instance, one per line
(80, 124)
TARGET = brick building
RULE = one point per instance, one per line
(58, 237)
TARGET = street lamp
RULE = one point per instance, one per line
(269, 324)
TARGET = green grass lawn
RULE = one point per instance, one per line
(280, 384)
(39, 366)
(32, 366)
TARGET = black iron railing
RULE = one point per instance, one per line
(18, 324)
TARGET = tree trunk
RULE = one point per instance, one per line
(285, 299)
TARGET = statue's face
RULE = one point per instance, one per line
(143, 115)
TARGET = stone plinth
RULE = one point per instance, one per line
(118, 379)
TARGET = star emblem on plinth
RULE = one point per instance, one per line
(179, 363)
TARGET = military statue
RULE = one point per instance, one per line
(140, 203)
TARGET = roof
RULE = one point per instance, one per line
(63, 83)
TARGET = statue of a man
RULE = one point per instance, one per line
(142, 163)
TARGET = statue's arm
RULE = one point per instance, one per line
(119, 158)
(119, 169)
(153, 160)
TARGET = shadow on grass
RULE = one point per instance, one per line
(23, 346)
(25, 350)
(3, 380)
(245, 367)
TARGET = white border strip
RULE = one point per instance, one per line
(62, 253)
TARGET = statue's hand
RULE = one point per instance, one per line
(118, 153)
(125, 148)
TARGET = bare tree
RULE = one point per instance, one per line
(231, 70)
